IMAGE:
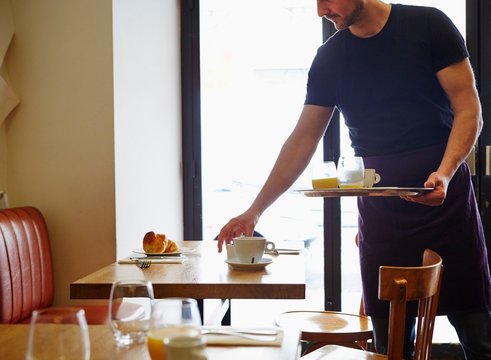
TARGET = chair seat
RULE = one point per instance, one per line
(342, 353)
(94, 314)
(327, 326)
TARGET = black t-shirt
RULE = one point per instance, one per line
(386, 85)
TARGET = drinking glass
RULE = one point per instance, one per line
(58, 333)
(350, 172)
(130, 306)
(172, 318)
(324, 175)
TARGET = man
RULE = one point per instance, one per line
(402, 79)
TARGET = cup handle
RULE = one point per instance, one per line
(270, 246)
(377, 179)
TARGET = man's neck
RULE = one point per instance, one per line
(372, 20)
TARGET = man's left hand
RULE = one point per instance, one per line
(433, 198)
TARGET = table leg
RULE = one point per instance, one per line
(227, 317)
(201, 307)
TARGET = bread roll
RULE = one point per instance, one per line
(154, 243)
(163, 239)
(171, 247)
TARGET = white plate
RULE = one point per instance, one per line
(236, 265)
(142, 252)
(182, 250)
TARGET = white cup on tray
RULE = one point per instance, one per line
(371, 178)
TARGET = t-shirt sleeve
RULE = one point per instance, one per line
(447, 44)
(321, 80)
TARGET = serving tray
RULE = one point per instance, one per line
(374, 191)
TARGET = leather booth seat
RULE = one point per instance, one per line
(26, 268)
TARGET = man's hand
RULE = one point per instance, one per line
(435, 197)
(243, 224)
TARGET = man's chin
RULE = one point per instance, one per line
(338, 24)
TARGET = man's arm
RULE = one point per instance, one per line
(458, 82)
(294, 157)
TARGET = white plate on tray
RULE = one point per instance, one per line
(236, 265)
(373, 191)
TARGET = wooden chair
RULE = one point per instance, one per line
(26, 269)
(319, 328)
(399, 285)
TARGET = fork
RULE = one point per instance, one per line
(143, 264)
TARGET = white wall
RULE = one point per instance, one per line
(75, 153)
(147, 129)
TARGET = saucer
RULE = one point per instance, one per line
(236, 265)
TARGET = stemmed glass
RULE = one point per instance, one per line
(172, 318)
(130, 306)
(58, 333)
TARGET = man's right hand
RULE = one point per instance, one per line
(243, 224)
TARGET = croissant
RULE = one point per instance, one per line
(171, 247)
(154, 243)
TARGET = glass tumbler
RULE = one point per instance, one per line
(350, 172)
(130, 306)
(58, 333)
(172, 318)
(324, 175)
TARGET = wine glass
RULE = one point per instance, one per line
(350, 172)
(130, 306)
(58, 333)
(172, 318)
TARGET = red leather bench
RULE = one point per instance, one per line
(26, 269)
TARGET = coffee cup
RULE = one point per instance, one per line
(230, 251)
(370, 178)
(250, 249)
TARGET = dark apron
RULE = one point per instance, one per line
(396, 232)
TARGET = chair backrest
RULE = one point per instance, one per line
(401, 284)
(26, 271)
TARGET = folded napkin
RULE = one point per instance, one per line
(167, 260)
(226, 339)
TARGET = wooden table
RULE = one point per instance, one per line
(13, 345)
(203, 275)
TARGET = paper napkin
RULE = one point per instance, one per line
(225, 339)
